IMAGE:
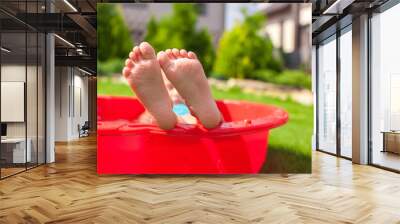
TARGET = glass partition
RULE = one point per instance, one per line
(14, 153)
(22, 88)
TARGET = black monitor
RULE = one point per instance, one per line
(3, 129)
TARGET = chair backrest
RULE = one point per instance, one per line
(86, 125)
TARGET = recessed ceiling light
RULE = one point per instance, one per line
(84, 71)
(64, 40)
(337, 7)
(5, 50)
(70, 5)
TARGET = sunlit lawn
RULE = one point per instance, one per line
(289, 149)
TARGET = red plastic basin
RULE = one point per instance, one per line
(238, 146)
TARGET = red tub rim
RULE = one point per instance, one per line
(125, 127)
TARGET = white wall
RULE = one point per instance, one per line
(70, 83)
(79, 117)
(62, 81)
(82, 82)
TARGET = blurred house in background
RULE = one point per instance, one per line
(211, 16)
(288, 26)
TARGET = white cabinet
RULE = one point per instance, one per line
(17, 146)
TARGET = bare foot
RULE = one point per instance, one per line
(186, 73)
(143, 74)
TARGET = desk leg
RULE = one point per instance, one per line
(384, 142)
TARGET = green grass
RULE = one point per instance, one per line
(106, 86)
(289, 149)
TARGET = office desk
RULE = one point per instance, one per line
(13, 150)
(391, 141)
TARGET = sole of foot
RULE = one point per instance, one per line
(186, 74)
(143, 73)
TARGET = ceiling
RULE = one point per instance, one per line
(74, 22)
(329, 15)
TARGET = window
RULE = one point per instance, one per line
(201, 9)
(346, 92)
(385, 89)
(137, 5)
(327, 95)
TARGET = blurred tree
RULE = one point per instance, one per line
(178, 30)
(113, 37)
(242, 50)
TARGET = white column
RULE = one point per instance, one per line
(314, 91)
(50, 109)
(50, 92)
(360, 90)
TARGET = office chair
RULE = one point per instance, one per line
(84, 130)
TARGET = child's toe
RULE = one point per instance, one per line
(128, 63)
(136, 54)
(126, 72)
(192, 55)
(170, 54)
(175, 52)
(147, 51)
(131, 55)
(183, 53)
(164, 60)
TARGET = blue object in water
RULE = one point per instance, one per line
(180, 109)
